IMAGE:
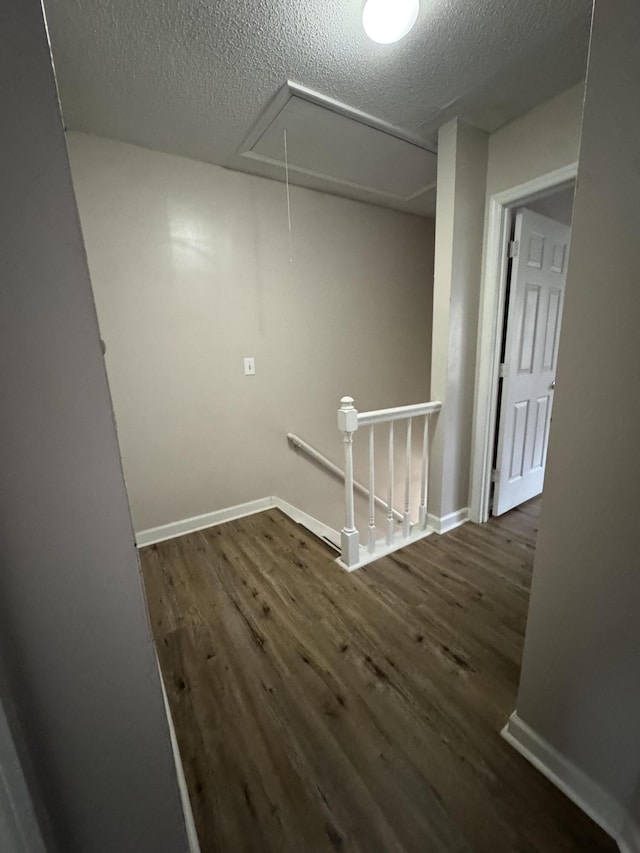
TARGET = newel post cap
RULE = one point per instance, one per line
(347, 415)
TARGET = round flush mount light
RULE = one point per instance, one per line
(386, 21)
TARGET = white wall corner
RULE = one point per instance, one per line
(573, 782)
(445, 523)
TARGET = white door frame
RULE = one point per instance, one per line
(490, 323)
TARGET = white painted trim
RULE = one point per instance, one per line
(292, 89)
(435, 524)
(490, 322)
(629, 838)
(383, 416)
(572, 781)
(211, 519)
(383, 550)
(445, 523)
(323, 531)
(200, 522)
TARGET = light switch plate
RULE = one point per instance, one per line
(249, 366)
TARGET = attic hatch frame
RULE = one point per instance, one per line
(492, 299)
(290, 90)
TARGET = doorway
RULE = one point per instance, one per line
(511, 428)
(534, 299)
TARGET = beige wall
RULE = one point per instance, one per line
(541, 141)
(191, 270)
(462, 161)
(580, 687)
(74, 634)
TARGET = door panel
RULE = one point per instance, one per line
(535, 245)
(520, 417)
(552, 330)
(529, 328)
(536, 298)
(539, 436)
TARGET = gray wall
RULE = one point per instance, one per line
(20, 830)
(580, 687)
(192, 270)
(631, 830)
(74, 631)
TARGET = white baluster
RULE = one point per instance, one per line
(372, 492)
(348, 424)
(406, 521)
(390, 522)
(425, 474)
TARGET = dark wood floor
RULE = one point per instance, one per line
(323, 711)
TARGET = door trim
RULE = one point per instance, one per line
(490, 321)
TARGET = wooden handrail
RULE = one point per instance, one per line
(331, 466)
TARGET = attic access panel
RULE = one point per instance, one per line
(340, 145)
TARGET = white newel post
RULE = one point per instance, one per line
(348, 424)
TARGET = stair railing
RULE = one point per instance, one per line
(300, 444)
(349, 421)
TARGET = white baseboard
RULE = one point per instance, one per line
(629, 838)
(323, 531)
(445, 523)
(211, 519)
(572, 781)
(154, 535)
(200, 522)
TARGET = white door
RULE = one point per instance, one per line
(536, 297)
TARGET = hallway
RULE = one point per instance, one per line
(318, 710)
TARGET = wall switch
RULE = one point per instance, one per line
(249, 366)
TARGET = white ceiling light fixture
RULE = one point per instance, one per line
(386, 21)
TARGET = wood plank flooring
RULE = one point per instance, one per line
(318, 710)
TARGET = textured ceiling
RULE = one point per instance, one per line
(191, 77)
